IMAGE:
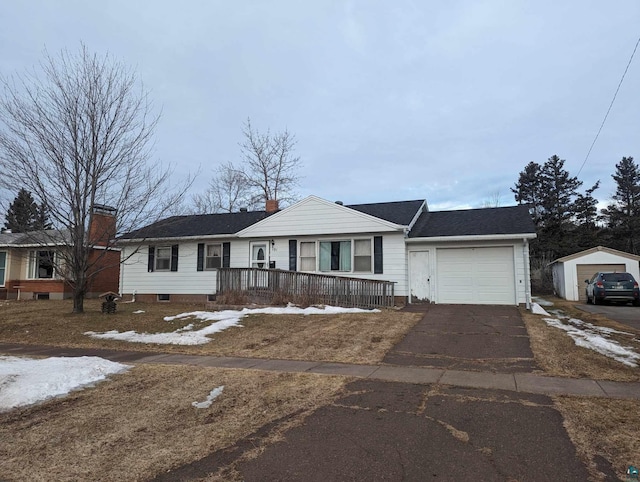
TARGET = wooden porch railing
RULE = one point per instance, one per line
(306, 288)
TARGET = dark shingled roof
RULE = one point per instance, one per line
(198, 225)
(399, 212)
(470, 222)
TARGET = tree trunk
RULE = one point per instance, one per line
(78, 302)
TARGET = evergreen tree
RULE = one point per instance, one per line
(623, 214)
(528, 190)
(24, 214)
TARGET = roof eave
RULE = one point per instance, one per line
(473, 237)
(167, 239)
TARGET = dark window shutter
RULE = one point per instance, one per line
(226, 255)
(152, 259)
(200, 266)
(293, 254)
(174, 257)
(377, 254)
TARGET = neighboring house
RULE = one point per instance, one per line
(570, 272)
(474, 256)
(28, 262)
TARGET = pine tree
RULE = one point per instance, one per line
(623, 214)
(24, 214)
(528, 190)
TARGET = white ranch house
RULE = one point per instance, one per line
(471, 256)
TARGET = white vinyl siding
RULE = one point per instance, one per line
(315, 216)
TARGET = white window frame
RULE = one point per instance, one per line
(352, 267)
(207, 258)
(158, 258)
(370, 255)
(314, 257)
(33, 264)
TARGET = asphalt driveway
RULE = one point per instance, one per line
(398, 431)
(466, 337)
(626, 314)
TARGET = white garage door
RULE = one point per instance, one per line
(476, 276)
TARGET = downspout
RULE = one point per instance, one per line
(527, 275)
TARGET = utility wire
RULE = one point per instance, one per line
(609, 109)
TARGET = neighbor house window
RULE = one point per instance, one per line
(362, 255)
(163, 258)
(213, 256)
(335, 255)
(308, 256)
(3, 266)
(41, 264)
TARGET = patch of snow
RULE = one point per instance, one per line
(215, 393)
(595, 338)
(541, 301)
(221, 320)
(24, 381)
(536, 309)
(138, 312)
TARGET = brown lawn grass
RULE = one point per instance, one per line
(349, 338)
(141, 423)
(557, 354)
(601, 427)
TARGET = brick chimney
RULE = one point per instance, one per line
(102, 226)
(272, 206)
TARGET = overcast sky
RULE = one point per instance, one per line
(444, 101)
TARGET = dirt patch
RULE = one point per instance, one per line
(141, 423)
(557, 354)
(605, 433)
(346, 338)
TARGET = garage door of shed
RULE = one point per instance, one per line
(476, 276)
(586, 271)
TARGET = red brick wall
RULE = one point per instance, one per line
(107, 271)
(102, 228)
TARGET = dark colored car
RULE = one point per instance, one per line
(619, 287)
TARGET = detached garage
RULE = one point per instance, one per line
(475, 256)
(570, 272)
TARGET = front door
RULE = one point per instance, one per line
(419, 281)
(259, 254)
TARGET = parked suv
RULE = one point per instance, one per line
(613, 287)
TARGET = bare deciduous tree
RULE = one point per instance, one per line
(270, 164)
(228, 192)
(77, 134)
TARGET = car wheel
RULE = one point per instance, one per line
(595, 300)
(588, 299)
(636, 302)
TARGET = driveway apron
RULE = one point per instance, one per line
(466, 337)
(388, 431)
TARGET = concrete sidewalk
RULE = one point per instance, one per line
(516, 382)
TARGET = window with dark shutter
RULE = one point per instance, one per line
(174, 257)
(200, 265)
(377, 254)
(226, 255)
(151, 262)
(293, 254)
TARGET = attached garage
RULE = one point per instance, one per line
(570, 272)
(476, 275)
(475, 256)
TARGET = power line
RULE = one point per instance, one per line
(609, 109)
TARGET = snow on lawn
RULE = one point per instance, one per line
(593, 337)
(25, 381)
(215, 393)
(221, 320)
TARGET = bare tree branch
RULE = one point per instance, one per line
(78, 133)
